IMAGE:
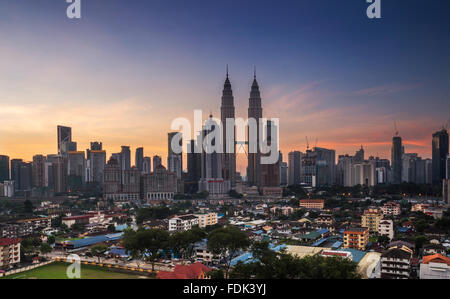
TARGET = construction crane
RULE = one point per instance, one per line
(307, 143)
(317, 140)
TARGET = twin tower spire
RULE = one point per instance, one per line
(227, 111)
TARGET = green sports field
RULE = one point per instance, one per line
(58, 271)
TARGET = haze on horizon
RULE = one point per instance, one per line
(124, 71)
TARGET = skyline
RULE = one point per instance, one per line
(122, 72)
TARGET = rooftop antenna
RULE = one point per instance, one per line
(307, 143)
(395, 128)
(227, 70)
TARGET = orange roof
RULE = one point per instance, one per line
(436, 258)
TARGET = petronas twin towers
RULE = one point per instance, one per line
(227, 111)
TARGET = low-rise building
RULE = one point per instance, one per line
(371, 219)
(396, 263)
(356, 238)
(9, 252)
(391, 209)
(183, 222)
(206, 219)
(312, 203)
(435, 266)
(386, 228)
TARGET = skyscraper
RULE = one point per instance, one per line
(174, 159)
(294, 168)
(96, 165)
(194, 165)
(76, 169)
(156, 162)
(125, 158)
(326, 166)
(211, 174)
(139, 158)
(64, 135)
(270, 173)
(440, 153)
(397, 154)
(255, 112)
(15, 172)
(39, 171)
(147, 165)
(4, 168)
(227, 112)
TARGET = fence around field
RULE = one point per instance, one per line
(30, 267)
(114, 267)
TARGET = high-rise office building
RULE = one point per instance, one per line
(58, 170)
(125, 158)
(448, 167)
(326, 166)
(139, 158)
(227, 112)
(39, 171)
(147, 165)
(64, 135)
(15, 172)
(283, 174)
(397, 153)
(175, 159)
(194, 165)
(255, 112)
(95, 146)
(211, 179)
(67, 146)
(440, 152)
(4, 168)
(270, 173)
(112, 180)
(294, 168)
(156, 162)
(25, 174)
(76, 169)
(96, 166)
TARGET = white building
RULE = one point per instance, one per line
(435, 267)
(183, 222)
(8, 189)
(386, 228)
(10, 249)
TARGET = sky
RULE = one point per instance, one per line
(126, 69)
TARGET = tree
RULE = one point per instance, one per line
(149, 242)
(268, 264)
(98, 251)
(226, 242)
(132, 245)
(51, 239)
(45, 248)
(28, 207)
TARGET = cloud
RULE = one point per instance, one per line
(386, 89)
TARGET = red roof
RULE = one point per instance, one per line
(8, 241)
(436, 258)
(193, 271)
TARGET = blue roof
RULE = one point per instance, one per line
(321, 241)
(337, 244)
(248, 256)
(258, 232)
(403, 229)
(94, 240)
(121, 227)
(357, 254)
(323, 231)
